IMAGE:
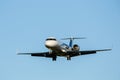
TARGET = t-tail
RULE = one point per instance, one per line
(71, 40)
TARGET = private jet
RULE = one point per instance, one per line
(56, 48)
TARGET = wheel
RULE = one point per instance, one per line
(54, 58)
(68, 58)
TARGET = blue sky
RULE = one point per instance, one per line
(25, 24)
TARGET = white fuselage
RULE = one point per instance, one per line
(54, 45)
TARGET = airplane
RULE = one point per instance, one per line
(62, 50)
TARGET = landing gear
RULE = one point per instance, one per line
(54, 58)
(68, 57)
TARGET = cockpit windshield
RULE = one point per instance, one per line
(51, 39)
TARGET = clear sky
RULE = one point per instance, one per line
(25, 24)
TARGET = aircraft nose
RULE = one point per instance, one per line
(51, 44)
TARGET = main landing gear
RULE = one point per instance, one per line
(54, 58)
(68, 57)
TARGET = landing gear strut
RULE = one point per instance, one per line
(54, 58)
(68, 57)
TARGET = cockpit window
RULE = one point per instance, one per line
(50, 39)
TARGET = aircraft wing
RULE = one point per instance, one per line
(38, 54)
(86, 52)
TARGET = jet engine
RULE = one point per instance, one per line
(76, 47)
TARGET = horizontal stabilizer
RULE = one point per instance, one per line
(72, 38)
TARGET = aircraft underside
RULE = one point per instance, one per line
(62, 50)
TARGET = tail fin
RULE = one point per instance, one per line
(71, 40)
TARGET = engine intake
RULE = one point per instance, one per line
(76, 47)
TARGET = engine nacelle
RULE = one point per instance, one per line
(76, 47)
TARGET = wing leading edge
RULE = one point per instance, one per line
(43, 54)
(86, 52)
(69, 53)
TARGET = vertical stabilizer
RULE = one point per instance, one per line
(71, 40)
